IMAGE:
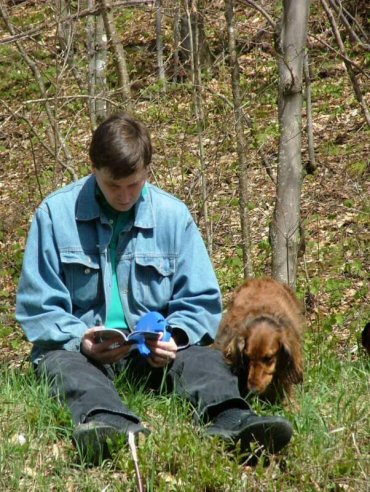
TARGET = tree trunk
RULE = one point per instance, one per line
(65, 35)
(118, 51)
(159, 43)
(176, 41)
(285, 227)
(199, 114)
(189, 29)
(311, 164)
(241, 143)
(90, 46)
(97, 56)
(100, 70)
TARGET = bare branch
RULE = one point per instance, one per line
(50, 150)
(79, 15)
(71, 98)
(344, 57)
(55, 138)
(355, 82)
(273, 24)
(353, 19)
(250, 124)
(337, 6)
(260, 9)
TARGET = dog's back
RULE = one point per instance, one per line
(270, 297)
(264, 296)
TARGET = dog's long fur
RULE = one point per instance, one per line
(261, 338)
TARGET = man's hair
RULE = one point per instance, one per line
(122, 145)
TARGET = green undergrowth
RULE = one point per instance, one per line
(329, 451)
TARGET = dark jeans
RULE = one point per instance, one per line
(198, 374)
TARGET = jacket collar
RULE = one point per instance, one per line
(88, 207)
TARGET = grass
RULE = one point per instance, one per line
(330, 449)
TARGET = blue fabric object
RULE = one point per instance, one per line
(66, 281)
(154, 323)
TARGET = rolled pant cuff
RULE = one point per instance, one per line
(101, 409)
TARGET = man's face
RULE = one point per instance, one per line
(123, 193)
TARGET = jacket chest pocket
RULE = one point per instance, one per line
(153, 280)
(83, 278)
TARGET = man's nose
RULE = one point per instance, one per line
(124, 196)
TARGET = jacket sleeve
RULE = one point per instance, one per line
(195, 305)
(44, 307)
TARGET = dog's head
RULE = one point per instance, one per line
(263, 351)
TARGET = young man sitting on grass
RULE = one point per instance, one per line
(104, 251)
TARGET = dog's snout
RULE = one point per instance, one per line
(258, 380)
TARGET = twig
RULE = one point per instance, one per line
(132, 445)
(71, 98)
(36, 169)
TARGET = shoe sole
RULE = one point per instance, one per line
(91, 441)
(268, 434)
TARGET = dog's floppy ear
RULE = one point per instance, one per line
(291, 360)
(234, 351)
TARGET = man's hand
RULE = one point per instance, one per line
(162, 353)
(100, 351)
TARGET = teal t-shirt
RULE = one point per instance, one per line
(115, 313)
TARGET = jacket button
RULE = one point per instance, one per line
(87, 270)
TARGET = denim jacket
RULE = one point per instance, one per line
(66, 280)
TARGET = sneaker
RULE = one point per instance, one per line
(238, 425)
(92, 438)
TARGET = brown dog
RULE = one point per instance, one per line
(261, 338)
